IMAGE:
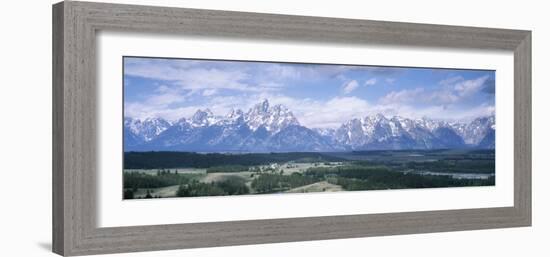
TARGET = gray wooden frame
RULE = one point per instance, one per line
(75, 25)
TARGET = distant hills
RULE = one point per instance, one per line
(267, 128)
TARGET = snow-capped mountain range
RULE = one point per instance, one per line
(266, 128)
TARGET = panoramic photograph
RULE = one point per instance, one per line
(197, 127)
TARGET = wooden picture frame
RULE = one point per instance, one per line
(75, 25)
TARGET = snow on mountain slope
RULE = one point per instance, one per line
(272, 118)
(274, 128)
(474, 132)
(148, 128)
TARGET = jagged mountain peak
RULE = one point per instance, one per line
(272, 118)
(476, 130)
(380, 132)
(157, 120)
(203, 118)
(264, 104)
(266, 107)
(235, 113)
(378, 117)
(201, 114)
(267, 127)
(183, 122)
(278, 108)
(262, 107)
(148, 128)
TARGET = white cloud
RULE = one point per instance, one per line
(441, 97)
(209, 92)
(334, 112)
(270, 86)
(189, 86)
(444, 103)
(213, 79)
(438, 112)
(402, 96)
(163, 89)
(451, 80)
(330, 113)
(159, 104)
(165, 99)
(279, 72)
(370, 82)
(469, 87)
(192, 76)
(350, 86)
(453, 90)
(143, 111)
(310, 113)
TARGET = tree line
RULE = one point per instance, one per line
(167, 160)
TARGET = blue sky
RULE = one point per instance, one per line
(322, 96)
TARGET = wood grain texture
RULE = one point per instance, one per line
(522, 128)
(75, 25)
(58, 231)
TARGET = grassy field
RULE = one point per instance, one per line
(202, 176)
(349, 171)
(323, 186)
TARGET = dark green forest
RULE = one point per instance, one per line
(270, 183)
(231, 186)
(166, 160)
(356, 177)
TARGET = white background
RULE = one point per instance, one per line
(25, 114)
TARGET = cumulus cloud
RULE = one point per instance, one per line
(158, 104)
(350, 86)
(209, 92)
(446, 102)
(335, 112)
(277, 71)
(453, 90)
(438, 112)
(468, 87)
(371, 82)
(402, 96)
(174, 89)
(198, 75)
(451, 80)
(143, 111)
(330, 113)
(165, 99)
